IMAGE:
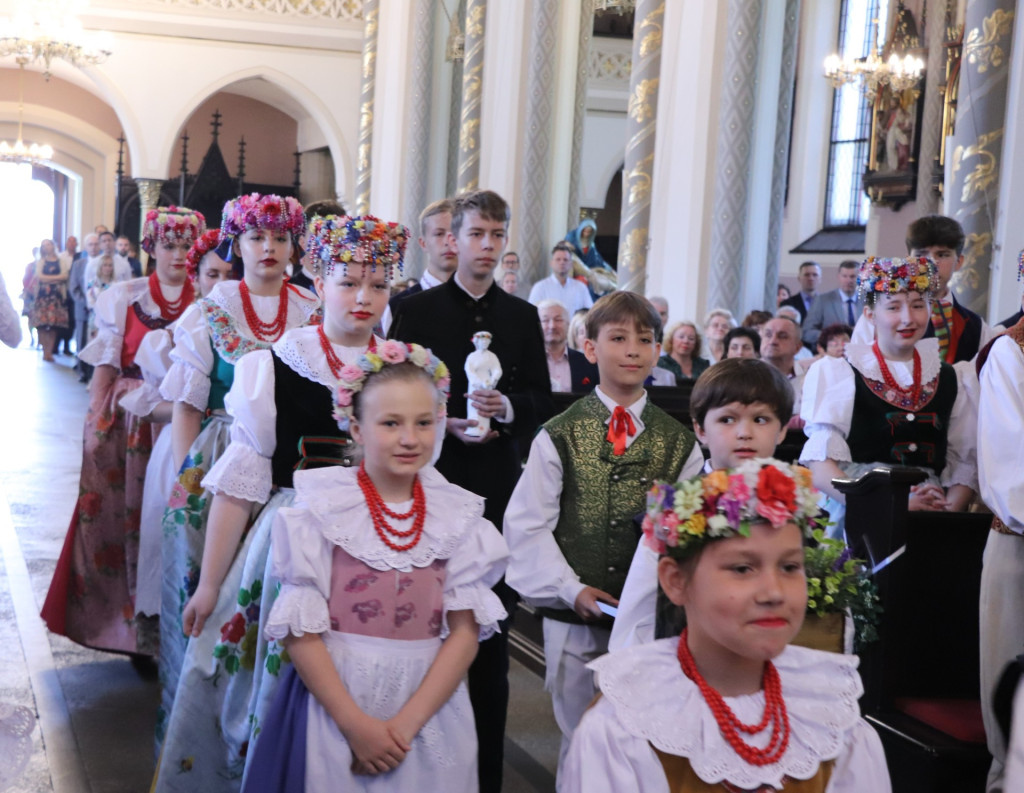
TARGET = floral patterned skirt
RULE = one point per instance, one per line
(50, 308)
(183, 525)
(229, 675)
(92, 595)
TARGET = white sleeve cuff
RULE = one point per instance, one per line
(142, 401)
(185, 383)
(104, 350)
(485, 605)
(510, 414)
(825, 442)
(241, 472)
(298, 610)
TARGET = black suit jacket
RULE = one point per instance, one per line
(583, 373)
(415, 289)
(797, 302)
(444, 319)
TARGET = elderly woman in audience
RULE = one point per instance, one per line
(742, 343)
(578, 330)
(681, 351)
(717, 323)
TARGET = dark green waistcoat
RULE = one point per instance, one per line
(602, 492)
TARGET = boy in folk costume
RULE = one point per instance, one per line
(569, 524)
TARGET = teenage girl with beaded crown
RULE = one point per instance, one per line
(258, 232)
(281, 403)
(92, 596)
(729, 705)
(894, 401)
(386, 574)
(205, 269)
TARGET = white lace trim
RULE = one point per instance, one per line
(104, 350)
(862, 358)
(300, 350)
(485, 605)
(298, 610)
(241, 472)
(300, 306)
(142, 401)
(332, 494)
(185, 383)
(825, 442)
(649, 692)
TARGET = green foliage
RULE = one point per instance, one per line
(836, 582)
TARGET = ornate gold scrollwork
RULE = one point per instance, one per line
(981, 47)
(641, 105)
(986, 172)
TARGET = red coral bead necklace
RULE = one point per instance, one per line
(170, 309)
(914, 391)
(264, 331)
(333, 361)
(394, 538)
(775, 713)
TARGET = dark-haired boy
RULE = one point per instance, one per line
(444, 319)
(740, 408)
(569, 524)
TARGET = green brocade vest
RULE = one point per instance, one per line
(602, 492)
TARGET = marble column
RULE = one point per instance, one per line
(734, 156)
(468, 172)
(638, 172)
(579, 110)
(365, 145)
(977, 146)
(149, 198)
(535, 164)
(420, 76)
(927, 199)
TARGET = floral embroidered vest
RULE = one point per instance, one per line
(602, 492)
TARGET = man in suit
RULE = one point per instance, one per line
(570, 371)
(123, 248)
(841, 306)
(809, 276)
(445, 318)
(76, 290)
(435, 223)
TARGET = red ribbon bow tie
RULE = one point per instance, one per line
(620, 427)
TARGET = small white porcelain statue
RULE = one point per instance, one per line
(483, 370)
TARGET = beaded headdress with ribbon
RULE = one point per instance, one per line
(339, 239)
(353, 377)
(178, 224)
(255, 211)
(896, 276)
(683, 517)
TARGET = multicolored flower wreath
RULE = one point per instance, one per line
(175, 224)
(255, 211)
(354, 376)
(336, 239)
(683, 517)
(896, 276)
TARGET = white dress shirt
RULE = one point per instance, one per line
(572, 294)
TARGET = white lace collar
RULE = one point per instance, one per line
(862, 358)
(299, 348)
(656, 702)
(333, 495)
(301, 305)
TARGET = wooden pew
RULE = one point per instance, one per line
(921, 677)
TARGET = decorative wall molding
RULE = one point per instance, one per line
(610, 60)
(343, 10)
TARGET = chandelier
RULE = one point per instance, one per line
(897, 73)
(49, 30)
(617, 6)
(18, 152)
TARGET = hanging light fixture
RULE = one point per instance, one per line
(899, 73)
(619, 7)
(49, 30)
(19, 152)
(455, 47)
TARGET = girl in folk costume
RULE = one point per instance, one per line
(236, 318)
(281, 405)
(386, 575)
(92, 596)
(728, 705)
(894, 401)
(205, 269)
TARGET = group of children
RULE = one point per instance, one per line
(323, 588)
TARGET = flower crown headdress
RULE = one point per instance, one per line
(337, 239)
(202, 246)
(683, 517)
(179, 224)
(353, 377)
(1020, 265)
(255, 211)
(895, 276)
